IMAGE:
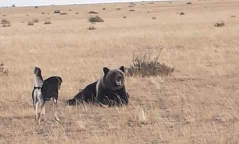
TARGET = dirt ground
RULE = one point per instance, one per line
(197, 104)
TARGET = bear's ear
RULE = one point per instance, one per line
(122, 69)
(106, 70)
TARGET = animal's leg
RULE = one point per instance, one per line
(44, 111)
(55, 109)
(36, 105)
(40, 113)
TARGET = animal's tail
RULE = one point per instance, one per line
(76, 100)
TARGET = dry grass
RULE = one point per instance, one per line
(95, 19)
(144, 65)
(198, 103)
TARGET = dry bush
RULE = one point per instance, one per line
(91, 28)
(77, 13)
(151, 3)
(103, 8)
(182, 13)
(118, 9)
(131, 10)
(131, 6)
(35, 20)
(5, 23)
(154, 18)
(70, 10)
(43, 13)
(233, 16)
(219, 24)
(47, 22)
(3, 71)
(95, 19)
(188, 3)
(124, 17)
(145, 66)
(63, 13)
(92, 12)
(30, 23)
(57, 11)
(13, 5)
(36, 7)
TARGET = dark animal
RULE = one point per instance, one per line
(108, 90)
(43, 91)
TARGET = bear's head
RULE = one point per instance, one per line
(114, 79)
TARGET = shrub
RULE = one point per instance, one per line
(13, 5)
(154, 18)
(36, 7)
(5, 23)
(42, 13)
(3, 71)
(103, 8)
(124, 17)
(57, 11)
(92, 12)
(35, 20)
(131, 10)
(188, 3)
(47, 22)
(77, 13)
(96, 19)
(91, 28)
(145, 66)
(219, 24)
(118, 9)
(63, 13)
(30, 23)
(182, 13)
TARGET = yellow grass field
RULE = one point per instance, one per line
(197, 104)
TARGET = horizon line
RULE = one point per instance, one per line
(86, 3)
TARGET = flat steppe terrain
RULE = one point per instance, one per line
(197, 104)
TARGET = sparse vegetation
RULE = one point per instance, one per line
(30, 23)
(43, 13)
(118, 8)
(154, 18)
(57, 11)
(92, 12)
(47, 22)
(188, 3)
(77, 13)
(5, 23)
(3, 71)
(145, 66)
(219, 24)
(182, 13)
(124, 17)
(91, 28)
(35, 20)
(132, 10)
(63, 13)
(103, 8)
(94, 19)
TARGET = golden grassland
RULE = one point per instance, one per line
(198, 103)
